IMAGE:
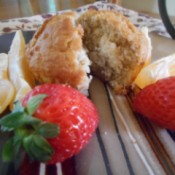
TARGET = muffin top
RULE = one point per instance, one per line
(117, 49)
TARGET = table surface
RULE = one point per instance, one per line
(146, 159)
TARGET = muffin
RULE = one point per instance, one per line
(56, 55)
(117, 49)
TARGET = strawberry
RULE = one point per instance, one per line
(63, 122)
(157, 102)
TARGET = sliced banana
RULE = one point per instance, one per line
(7, 90)
(3, 66)
(7, 93)
(19, 72)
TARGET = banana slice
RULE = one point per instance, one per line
(7, 93)
(3, 66)
(19, 72)
(157, 70)
(7, 90)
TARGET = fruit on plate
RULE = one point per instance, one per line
(157, 102)
(3, 66)
(161, 68)
(6, 94)
(19, 73)
(56, 108)
(6, 88)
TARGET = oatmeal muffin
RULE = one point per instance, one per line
(56, 55)
(117, 49)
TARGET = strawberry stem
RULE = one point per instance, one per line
(29, 132)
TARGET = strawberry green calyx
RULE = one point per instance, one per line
(29, 133)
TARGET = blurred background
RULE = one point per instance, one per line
(150, 6)
(20, 8)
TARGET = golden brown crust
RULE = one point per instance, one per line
(118, 50)
(53, 51)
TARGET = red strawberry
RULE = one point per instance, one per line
(71, 111)
(157, 102)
